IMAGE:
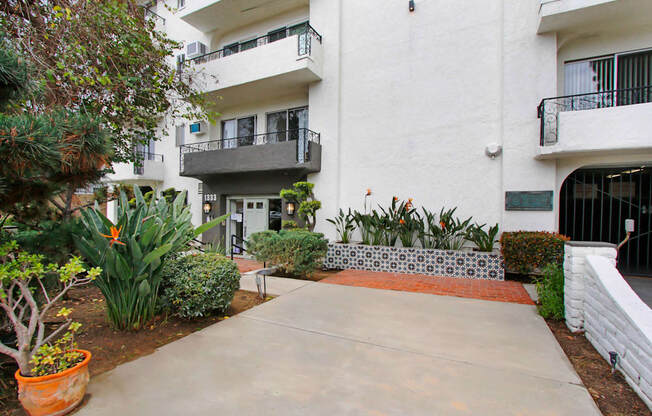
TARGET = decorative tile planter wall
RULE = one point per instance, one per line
(458, 263)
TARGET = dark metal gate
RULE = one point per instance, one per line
(594, 204)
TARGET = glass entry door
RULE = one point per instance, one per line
(297, 126)
(255, 216)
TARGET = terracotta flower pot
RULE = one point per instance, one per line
(55, 394)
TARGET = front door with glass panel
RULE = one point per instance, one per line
(255, 215)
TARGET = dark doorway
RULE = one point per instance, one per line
(594, 204)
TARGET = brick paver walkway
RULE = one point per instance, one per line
(448, 286)
(246, 265)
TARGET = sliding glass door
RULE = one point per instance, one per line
(634, 73)
(277, 126)
(297, 129)
(238, 132)
(597, 78)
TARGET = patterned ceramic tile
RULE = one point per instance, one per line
(462, 264)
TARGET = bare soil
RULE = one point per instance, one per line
(611, 392)
(111, 348)
(316, 276)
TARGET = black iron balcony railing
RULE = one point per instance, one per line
(302, 136)
(141, 157)
(305, 33)
(149, 14)
(549, 108)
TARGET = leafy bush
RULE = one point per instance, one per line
(483, 239)
(198, 284)
(302, 194)
(529, 251)
(294, 252)
(550, 288)
(132, 253)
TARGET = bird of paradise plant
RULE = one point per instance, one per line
(131, 268)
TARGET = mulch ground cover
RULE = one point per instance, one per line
(611, 392)
(111, 348)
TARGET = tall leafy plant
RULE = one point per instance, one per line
(131, 253)
(344, 224)
(483, 239)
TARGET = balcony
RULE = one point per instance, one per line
(295, 150)
(561, 15)
(225, 15)
(260, 68)
(150, 168)
(611, 122)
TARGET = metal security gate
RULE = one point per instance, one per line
(594, 204)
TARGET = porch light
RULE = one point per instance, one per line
(411, 5)
(289, 208)
(207, 208)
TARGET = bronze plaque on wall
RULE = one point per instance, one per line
(528, 201)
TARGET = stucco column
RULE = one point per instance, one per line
(575, 275)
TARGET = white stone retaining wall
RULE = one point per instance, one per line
(599, 301)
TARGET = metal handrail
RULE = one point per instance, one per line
(149, 156)
(309, 32)
(234, 240)
(549, 108)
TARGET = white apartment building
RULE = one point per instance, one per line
(534, 114)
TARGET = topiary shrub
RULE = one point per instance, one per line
(550, 288)
(196, 285)
(528, 252)
(294, 252)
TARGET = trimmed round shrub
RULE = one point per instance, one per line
(294, 252)
(197, 285)
(530, 251)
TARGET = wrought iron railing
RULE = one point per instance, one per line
(149, 14)
(139, 159)
(549, 108)
(303, 137)
(304, 42)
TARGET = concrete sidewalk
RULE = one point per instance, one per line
(337, 350)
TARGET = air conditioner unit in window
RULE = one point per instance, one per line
(198, 128)
(195, 49)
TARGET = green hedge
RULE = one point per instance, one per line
(196, 285)
(529, 251)
(295, 252)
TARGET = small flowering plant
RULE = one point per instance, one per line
(26, 303)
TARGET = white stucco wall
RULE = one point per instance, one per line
(407, 102)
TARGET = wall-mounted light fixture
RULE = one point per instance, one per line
(207, 208)
(289, 208)
(411, 5)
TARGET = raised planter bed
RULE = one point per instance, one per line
(453, 263)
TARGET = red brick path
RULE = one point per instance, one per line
(246, 265)
(448, 286)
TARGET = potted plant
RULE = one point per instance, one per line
(52, 373)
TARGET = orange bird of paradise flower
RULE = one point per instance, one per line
(368, 191)
(402, 221)
(443, 224)
(115, 235)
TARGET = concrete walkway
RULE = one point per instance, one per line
(325, 349)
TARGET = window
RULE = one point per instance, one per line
(298, 29)
(231, 49)
(180, 138)
(277, 34)
(238, 132)
(181, 4)
(250, 44)
(285, 125)
(181, 60)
